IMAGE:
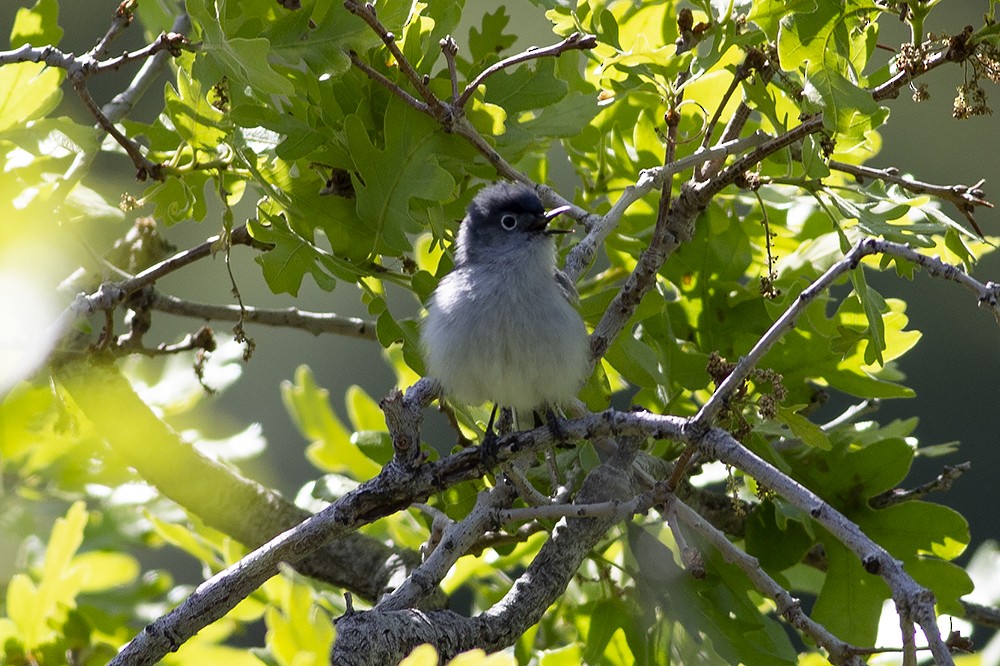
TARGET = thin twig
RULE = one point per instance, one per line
(964, 197)
(311, 322)
(170, 42)
(988, 294)
(941, 483)
(984, 616)
(576, 41)
(787, 605)
(366, 12)
(390, 85)
(145, 167)
(449, 47)
(852, 413)
(619, 510)
(123, 19)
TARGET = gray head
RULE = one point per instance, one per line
(503, 218)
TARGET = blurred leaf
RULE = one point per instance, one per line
(28, 91)
(363, 411)
(299, 632)
(37, 26)
(103, 570)
(331, 448)
(37, 611)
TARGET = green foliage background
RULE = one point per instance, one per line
(252, 125)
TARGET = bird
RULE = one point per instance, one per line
(503, 325)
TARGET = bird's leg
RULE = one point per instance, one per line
(488, 449)
(560, 437)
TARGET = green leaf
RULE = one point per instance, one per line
(947, 581)
(810, 433)
(331, 448)
(635, 361)
(526, 88)
(196, 120)
(850, 602)
(37, 26)
(291, 259)
(391, 178)
(848, 477)
(490, 39)
(776, 546)
(874, 305)
(767, 13)
(828, 45)
(917, 528)
(245, 61)
(375, 444)
(28, 91)
(179, 199)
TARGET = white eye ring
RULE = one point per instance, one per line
(508, 221)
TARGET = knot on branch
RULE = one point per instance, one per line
(580, 40)
(991, 298)
(403, 420)
(959, 47)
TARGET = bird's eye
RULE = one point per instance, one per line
(508, 221)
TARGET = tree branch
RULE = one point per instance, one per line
(366, 12)
(312, 322)
(988, 295)
(787, 606)
(80, 68)
(583, 253)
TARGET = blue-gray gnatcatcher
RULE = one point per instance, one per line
(502, 327)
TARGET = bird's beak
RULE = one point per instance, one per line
(550, 215)
(555, 212)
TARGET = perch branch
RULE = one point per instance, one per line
(396, 488)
